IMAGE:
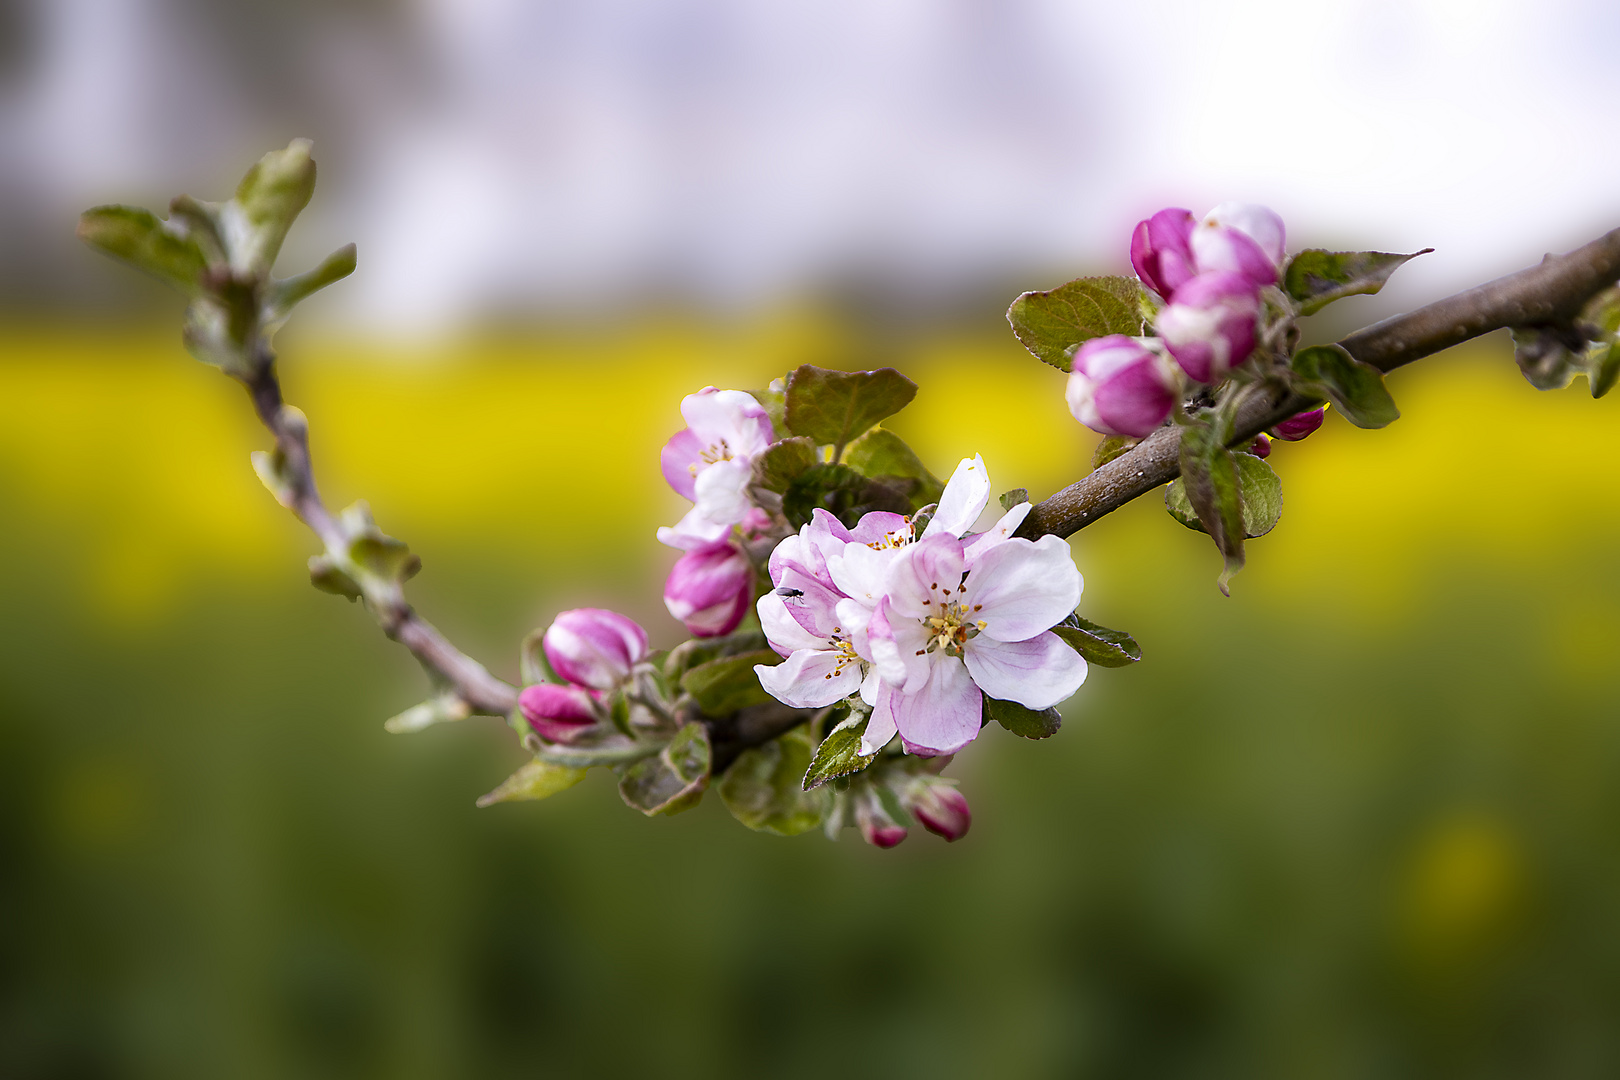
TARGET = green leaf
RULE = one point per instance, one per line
(445, 708)
(269, 198)
(1604, 369)
(839, 754)
(1111, 447)
(689, 654)
(1015, 497)
(838, 406)
(784, 462)
(1259, 488)
(1098, 644)
(674, 779)
(372, 550)
(1209, 476)
(1051, 324)
(533, 666)
(845, 494)
(1315, 278)
(761, 788)
(535, 780)
(609, 748)
(880, 452)
(723, 686)
(167, 251)
(1025, 723)
(288, 292)
(774, 400)
(1355, 388)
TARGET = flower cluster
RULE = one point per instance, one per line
(921, 627)
(710, 462)
(1210, 274)
(594, 652)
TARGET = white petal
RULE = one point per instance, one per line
(926, 575)
(944, 715)
(1019, 588)
(785, 633)
(1001, 530)
(809, 679)
(722, 491)
(899, 648)
(870, 687)
(964, 499)
(861, 572)
(1037, 673)
(731, 416)
(853, 619)
(692, 531)
(880, 725)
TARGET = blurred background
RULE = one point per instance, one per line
(1360, 820)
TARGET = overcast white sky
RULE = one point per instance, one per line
(515, 153)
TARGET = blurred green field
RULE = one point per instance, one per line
(1360, 820)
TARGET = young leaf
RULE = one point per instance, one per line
(1210, 479)
(288, 292)
(373, 550)
(1098, 644)
(836, 407)
(1259, 488)
(443, 709)
(723, 686)
(880, 452)
(1015, 497)
(535, 780)
(610, 749)
(1355, 388)
(167, 252)
(762, 790)
(689, 654)
(1111, 447)
(1603, 369)
(845, 494)
(674, 779)
(1025, 723)
(1315, 278)
(533, 664)
(1051, 324)
(269, 198)
(839, 753)
(784, 462)
(774, 400)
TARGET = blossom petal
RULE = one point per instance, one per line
(881, 527)
(1020, 588)
(1000, 531)
(964, 499)
(944, 715)
(785, 633)
(880, 726)
(693, 531)
(860, 572)
(729, 416)
(925, 575)
(899, 648)
(810, 679)
(1037, 673)
(679, 460)
(722, 491)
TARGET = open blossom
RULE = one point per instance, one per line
(594, 647)
(711, 462)
(1120, 385)
(1209, 324)
(922, 627)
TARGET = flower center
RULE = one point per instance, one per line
(709, 455)
(952, 625)
(846, 654)
(898, 538)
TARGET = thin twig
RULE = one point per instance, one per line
(1552, 292)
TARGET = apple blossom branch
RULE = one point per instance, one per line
(1548, 295)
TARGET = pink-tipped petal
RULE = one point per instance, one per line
(945, 715)
(810, 679)
(1037, 673)
(1022, 588)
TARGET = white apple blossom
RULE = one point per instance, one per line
(711, 462)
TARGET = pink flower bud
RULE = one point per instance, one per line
(1261, 447)
(939, 806)
(877, 827)
(709, 589)
(1119, 386)
(1239, 238)
(1299, 425)
(557, 713)
(594, 647)
(1161, 251)
(1209, 324)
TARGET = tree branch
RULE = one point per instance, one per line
(471, 681)
(1550, 293)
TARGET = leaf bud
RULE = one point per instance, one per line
(1209, 324)
(709, 589)
(557, 713)
(1299, 425)
(594, 647)
(1120, 386)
